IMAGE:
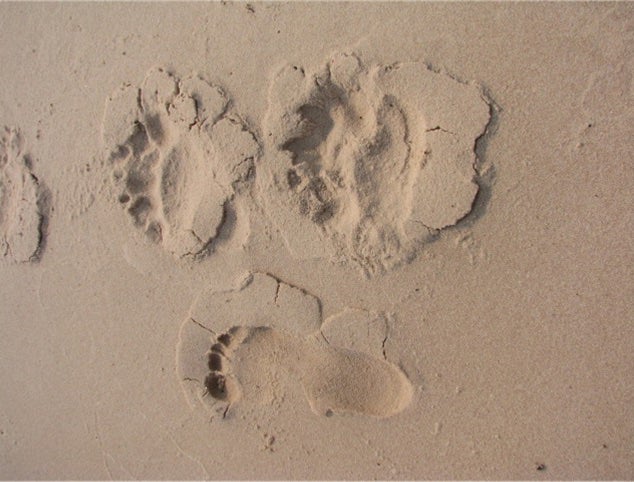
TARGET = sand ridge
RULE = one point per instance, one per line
(373, 159)
(181, 158)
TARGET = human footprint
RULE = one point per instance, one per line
(373, 159)
(179, 158)
(240, 345)
(23, 205)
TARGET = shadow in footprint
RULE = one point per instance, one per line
(316, 125)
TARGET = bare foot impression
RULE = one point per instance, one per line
(180, 158)
(374, 159)
(244, 344)
(22, 210)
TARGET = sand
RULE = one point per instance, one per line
(22, 203)
(180, 156)
(316, 241)
(379, 158)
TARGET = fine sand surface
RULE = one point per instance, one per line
(316, 241)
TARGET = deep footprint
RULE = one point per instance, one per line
(179, 159)
(251, 362)
(377, 158)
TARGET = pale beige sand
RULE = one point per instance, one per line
(357, 241)
(22, 211)
(180, 157)
(377, 158)
(257, 334)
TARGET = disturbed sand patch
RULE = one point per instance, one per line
(180, 159)
(242, 345)
(372, 159)
(23, 202)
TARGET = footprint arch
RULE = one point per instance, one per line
(245, 345)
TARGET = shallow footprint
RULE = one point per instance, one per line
(179, 159)
(271, 343)
(22, 202)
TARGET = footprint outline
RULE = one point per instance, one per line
(181, 158)
(312, 354)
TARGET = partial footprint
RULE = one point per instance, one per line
(180, 159)
(23, 211)
(246, 344)
(375, 159)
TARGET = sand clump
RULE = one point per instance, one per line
(179, 157)
(372, 159)
(22, 202)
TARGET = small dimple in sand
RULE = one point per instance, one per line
(22, 213)
(244, 345)
(180, 159)
(374, 159)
